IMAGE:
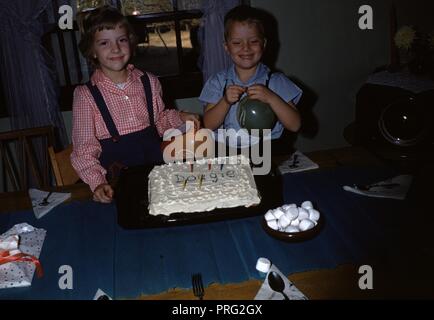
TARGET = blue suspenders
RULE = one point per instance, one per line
(136, 148)
(102, 106)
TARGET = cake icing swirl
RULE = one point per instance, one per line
(203, 185)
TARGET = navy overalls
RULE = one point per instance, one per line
(132, 149)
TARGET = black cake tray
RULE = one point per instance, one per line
(131, 194)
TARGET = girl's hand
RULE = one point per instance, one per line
(103, 193)
(185, 116)
(233, 93)
(261, 93)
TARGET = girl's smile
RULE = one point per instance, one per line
(112, 50)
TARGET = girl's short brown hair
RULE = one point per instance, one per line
(101, 18)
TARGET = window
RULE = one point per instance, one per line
(167, 32)
(168, 46)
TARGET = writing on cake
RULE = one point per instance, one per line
(202, 185)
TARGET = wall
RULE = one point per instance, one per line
(323, 50)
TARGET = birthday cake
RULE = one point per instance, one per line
(202, 185)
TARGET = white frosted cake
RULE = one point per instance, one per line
(202, 185)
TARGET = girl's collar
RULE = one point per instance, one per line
(98, 76)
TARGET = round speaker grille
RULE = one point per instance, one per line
(404, 122)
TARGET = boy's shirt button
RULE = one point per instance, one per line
(127, 98)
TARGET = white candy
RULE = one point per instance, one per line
(295, 223)
(280, 227)
(273, 224)
(263, 265)
(313, 215)
(306, 224)
(302, 214)
(284, 221)
(292, 212)
(278, 213)
(307, 205)
(285, 207)
(269, 215)
(291, 229)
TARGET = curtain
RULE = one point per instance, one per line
(27, 70)
(213, 57)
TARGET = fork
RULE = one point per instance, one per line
(370, 186)
(198, 291)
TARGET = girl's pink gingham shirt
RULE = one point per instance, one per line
(128, 109)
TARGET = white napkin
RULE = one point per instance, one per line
(301, 163)
(101, 295)
(20, 273)
(395, 188)
(37, 196)
(266, 293)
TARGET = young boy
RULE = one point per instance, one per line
(245, 43)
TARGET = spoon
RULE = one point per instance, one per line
(294, 162)
(276, 283)
(45, 200)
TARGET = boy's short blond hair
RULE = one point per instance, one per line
(244, 14)
(101, 18)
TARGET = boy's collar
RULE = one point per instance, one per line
(261, 73)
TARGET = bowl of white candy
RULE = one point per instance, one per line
(293, 223)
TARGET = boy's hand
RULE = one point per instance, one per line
(233, 93)
(186, 116)
(103, 193)
(261, 93)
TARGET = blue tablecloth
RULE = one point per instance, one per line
(127, 263)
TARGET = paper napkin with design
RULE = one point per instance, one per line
(394, 188)
(291, 291)
(44, 201)
(20, 248)
(296, 163)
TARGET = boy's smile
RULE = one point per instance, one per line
(112, 50)
(245, 46)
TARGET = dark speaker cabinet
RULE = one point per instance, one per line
(393, 122)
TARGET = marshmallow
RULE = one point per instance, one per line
(269, 215)
(302, 214)
(307, 205)
(285, 207)
(273, 224)
(306, 224)
(292, 212)
(278, 213)
(295, 223)
(313, 215)
(263, 265)
(291, 229)
(284, 221)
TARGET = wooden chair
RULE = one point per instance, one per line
(24, 158)
(64, 173)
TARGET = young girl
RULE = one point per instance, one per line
(119, 115)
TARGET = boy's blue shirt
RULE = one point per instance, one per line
(213, 91)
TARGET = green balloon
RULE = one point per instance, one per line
(255, 114)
